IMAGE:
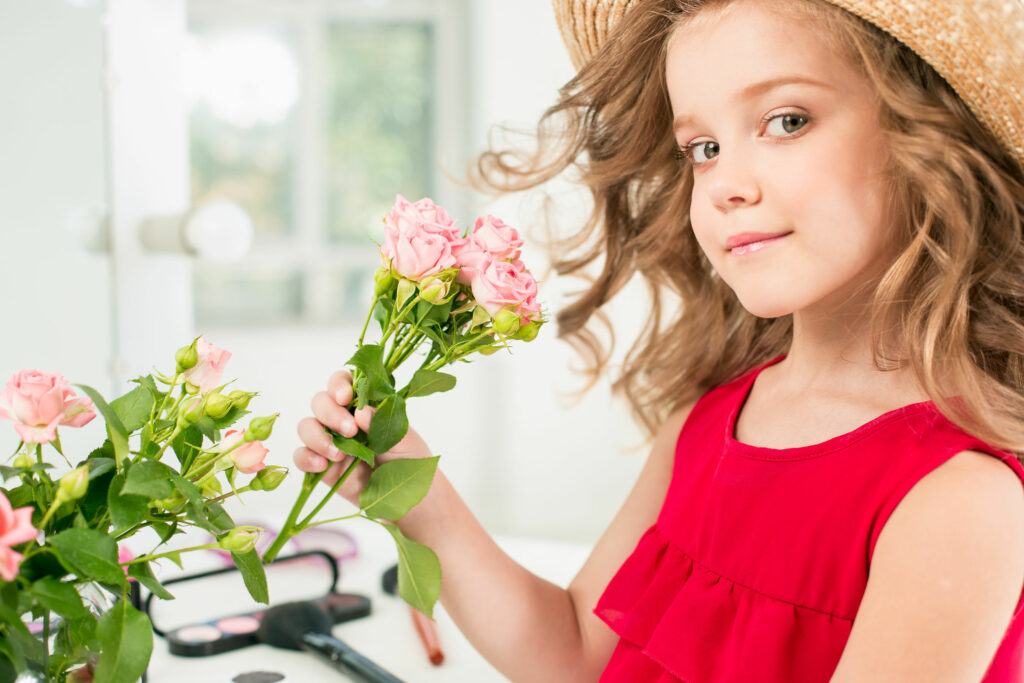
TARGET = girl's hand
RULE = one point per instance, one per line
(320, 453)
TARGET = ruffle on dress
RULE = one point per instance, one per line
(680, 621)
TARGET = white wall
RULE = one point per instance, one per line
(527, 461)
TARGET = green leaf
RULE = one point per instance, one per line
(126, 510)
(186, 445)
(126, 637)
(219, 517)
(143, 573)
(353, 447)
(382, 311)
(389, 424)
(116, 430)
(370, 360)
(230, 418)
(149, 478)
(419, 572)
(149, 383)
(89, 553)
(98, 466)
(425, 382)
(255, 578)
(58, 596)
(207, 428)
(134, 408)
(397, 486)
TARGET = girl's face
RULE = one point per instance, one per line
(783, 134)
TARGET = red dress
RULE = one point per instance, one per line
(758, 561)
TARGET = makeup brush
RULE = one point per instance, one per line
(305, 626)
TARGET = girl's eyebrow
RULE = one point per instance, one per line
(755, 90)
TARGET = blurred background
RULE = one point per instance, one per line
(120, 117)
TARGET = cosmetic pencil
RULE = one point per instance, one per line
(428, 635)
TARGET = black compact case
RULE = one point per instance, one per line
(231, 632)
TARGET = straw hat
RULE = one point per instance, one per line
(976, 45)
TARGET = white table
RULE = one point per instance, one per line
(387, 636)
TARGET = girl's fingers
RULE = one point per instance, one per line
(363, 416)
(308, 461)
(339, 386)
(317, 440)
(332, 415)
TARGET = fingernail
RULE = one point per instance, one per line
(348, 427)
(340, 397)
(333, 453)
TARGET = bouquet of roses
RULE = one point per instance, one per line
(440, 296)
(60, 536)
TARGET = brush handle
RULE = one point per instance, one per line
(345, 659)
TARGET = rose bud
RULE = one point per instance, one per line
(383, 281)
(268, 479)
(527, 332)
(433, 290)
(506, 323)
(74, 484)
(190, 411)
(218, 405)
(240, 399)
(241, 539)
(23, 461)
(260, 428)
(187, 356)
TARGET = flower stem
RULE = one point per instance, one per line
(149, 558)
(369, 316)
(341, 480)
(309, 482)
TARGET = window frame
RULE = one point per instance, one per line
(308, 249)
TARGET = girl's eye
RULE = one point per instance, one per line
(786, 124)
(699, 152)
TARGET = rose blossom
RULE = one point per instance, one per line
(41, 401)
(471, 259)
(492, 235)
(501, 285)
(421, 216)
(248, 457)
(208, 369)
(15, 527)
(416, 254)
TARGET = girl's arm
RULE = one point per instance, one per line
(945, 578)
(528, 628)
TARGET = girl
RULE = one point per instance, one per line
(835, 192)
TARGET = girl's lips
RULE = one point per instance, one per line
(749, 242)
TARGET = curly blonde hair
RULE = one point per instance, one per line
(951, 305)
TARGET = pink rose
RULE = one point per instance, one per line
(39, 402)
(421, 216)
(492, 235)
(471, 259)
(416, 254)
(208, 369)
(124, 556)
(15, 527)
(502, 285)
(248, 457)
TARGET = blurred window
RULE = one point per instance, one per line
(312, 115)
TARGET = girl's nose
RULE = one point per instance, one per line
(732, 184)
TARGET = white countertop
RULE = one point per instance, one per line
(387, 636)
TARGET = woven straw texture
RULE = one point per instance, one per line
(976, 45)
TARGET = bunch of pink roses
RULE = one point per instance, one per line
(59, 534)
(422, 246)
(439, 297)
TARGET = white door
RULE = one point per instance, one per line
(92, 130)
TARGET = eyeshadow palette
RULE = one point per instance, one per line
(239, 630)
